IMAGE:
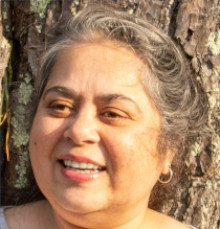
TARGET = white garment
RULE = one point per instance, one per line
(3, 223)
(191, 227)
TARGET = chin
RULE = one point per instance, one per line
(79, 204)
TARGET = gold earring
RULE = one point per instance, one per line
(166, 178)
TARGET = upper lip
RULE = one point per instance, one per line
(79, 159)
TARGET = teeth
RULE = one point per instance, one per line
(73, 164)
(83, 165)
(87, 167)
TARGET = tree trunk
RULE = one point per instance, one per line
(195, 25)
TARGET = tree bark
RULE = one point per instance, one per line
(195, 25)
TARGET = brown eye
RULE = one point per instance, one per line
(111, 115)
(61, 109)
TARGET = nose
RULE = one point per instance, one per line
(82, 129)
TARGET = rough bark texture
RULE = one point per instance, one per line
(4, 51)
(195, 25)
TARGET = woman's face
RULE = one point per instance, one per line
(93, 143)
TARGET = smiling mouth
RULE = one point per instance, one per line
(81, 167)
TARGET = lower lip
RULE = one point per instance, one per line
(79, 177)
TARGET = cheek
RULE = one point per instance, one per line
(135, 151)
(36, 144)
(45, 130)
(135, 164)
(45, 133)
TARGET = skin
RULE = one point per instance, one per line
(120, 133)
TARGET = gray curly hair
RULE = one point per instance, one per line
(173, 90)
(176, 94)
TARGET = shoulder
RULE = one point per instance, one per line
(162, 221)
(26, 216)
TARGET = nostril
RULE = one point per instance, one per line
(68, 139)
(89, 142)
(82, 131)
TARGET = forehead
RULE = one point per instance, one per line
(106, 58)
(91, 70)
(109, 64)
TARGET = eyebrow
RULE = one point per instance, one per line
(111, 97)
(66, 92)
(61, 90)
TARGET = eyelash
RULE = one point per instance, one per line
(62, 109)
(111, 115)
(114, 115)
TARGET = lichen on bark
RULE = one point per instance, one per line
(39, 7)
(21, 169)
(214, 42)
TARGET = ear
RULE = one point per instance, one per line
(167, 162)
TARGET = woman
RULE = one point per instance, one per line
(114, 107)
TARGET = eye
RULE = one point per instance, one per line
(61, 109)
(110, 114)
(113, 115)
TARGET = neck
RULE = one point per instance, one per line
(136, 223)
(96, 220)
